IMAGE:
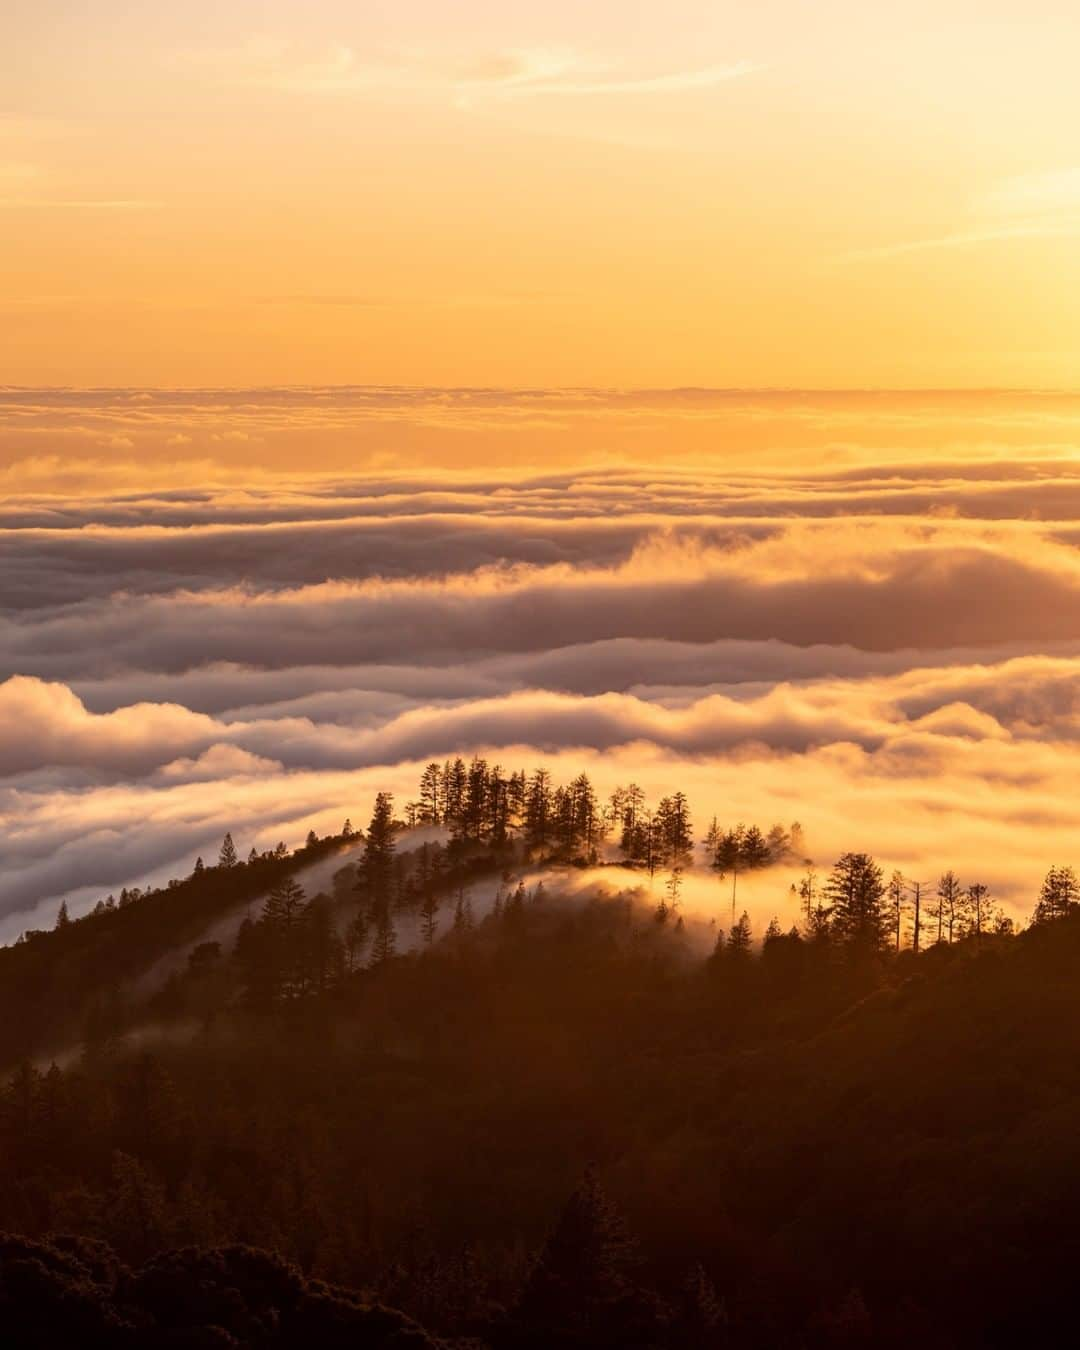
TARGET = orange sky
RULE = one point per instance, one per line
(785, 194)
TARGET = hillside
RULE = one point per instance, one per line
(813, 1141)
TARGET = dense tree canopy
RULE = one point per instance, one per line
(534, 1117)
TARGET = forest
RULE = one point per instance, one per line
(414, 1085)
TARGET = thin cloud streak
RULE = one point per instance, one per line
(275, 64)
(990, 234)
(675, 82)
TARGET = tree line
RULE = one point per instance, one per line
(528, 815)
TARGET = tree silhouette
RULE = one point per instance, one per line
(897, 905)
(429, 921)
(857, 891)
(1059, 896)
(950, 896)
(377, 864)
(581, 1280)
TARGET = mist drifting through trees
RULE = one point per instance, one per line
(313, 1086)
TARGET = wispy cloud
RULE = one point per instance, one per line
(520, 73)
(1043, 205)
(533, 80)
(989, 234)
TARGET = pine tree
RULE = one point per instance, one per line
(1059, 896)
(857, 891)
(916, 915)
(63, 919)
(778, 843)
(673, 887)
(429, 921)
(285, 904)
(356, 940)
(728, 857)
(377, 864)
(807, 893)
(384, 945)
(227, 857)
(538, 806)
(740, 938)
(585, 824)
(676, 838)
(978, 907)
(950, 896)
(463, 917)
(897, 904)
(582, 1275)
(279, 959)
(430, 795)
(755, 850)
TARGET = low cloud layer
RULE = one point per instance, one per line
(887, 650)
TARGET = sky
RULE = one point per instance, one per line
(785, 194)
(682, 392)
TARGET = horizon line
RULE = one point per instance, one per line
(768, 389)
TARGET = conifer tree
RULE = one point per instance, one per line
(673, 887)
(857, 891)
(463, 917)
(227, 857)
(755, 850)
(356, 940)
(728, 858)
(916, 915)
(950, 898)
(1059, 896)
(284, 905)
(676, 833)
(377, 864)
(538, 810)
(429, 920)
(897, 904)
(384, 944)
(978, 907)
(807, 894)
(740, 938)
(582, 1274)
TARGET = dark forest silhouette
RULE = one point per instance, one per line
(553, 1123)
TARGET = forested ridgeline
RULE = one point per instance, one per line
(544, 1119)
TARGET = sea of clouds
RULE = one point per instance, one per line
(882, 643)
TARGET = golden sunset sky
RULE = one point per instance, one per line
(682, 392)
(835, 194)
